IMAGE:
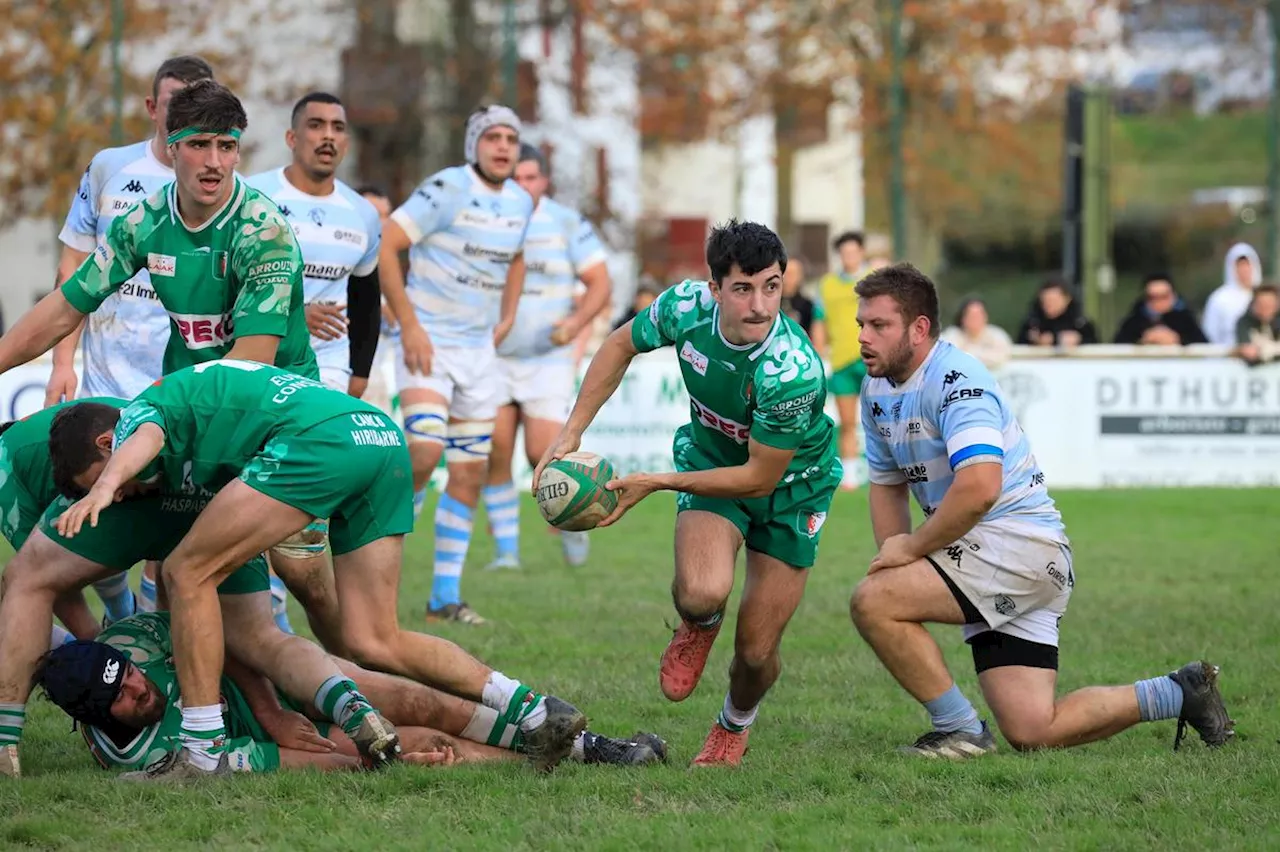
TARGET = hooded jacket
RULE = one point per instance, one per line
(1230, 301)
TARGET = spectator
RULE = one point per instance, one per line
(972, 333)
(795, 304)
(1258, 332)
(647, 291)
(1241, 272)
(1055, 319)
(1160, 317)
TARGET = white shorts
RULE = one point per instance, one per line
(466, 378)
(334, 360)
(336, 378)
(542, 388)
(1019, 581)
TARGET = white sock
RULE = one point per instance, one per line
(740, 719)
(486, 727)
(578, 752)
(498, 691)
(203, 735)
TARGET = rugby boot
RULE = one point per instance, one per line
(723, 747)
(1202, 706)
(377, 742)
(642, 749)
(552, 741)
(952, 745)
(460, 612)
(685, 658)
(176, 768)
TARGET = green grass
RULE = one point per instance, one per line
(1162, 578)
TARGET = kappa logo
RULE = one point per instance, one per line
(111, 671)
(694, 358)
(284, 209)
(133, 186)
(954, 552)
(953, 377)
(165, 265)
(876, 410)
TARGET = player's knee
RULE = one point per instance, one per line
(862, 603)
(22, 576)
(756, 653)
(426, 423)
(469, 441)
(700, 595)
(1026, 734)
(370, 649)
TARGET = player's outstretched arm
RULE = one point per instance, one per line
(63, 379)
(128, 460)
(52, 319)
(603, 376)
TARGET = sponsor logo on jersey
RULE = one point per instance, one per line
(1004, 605)
(960, 396)
(162, 264)
(204, 331)
(133, 186)
(725, 426)
(1059, 579)
(815, 522)
(694, 358)
(269, 266)
(953, 377)
(796, 405)
(500, 255)
(326, 271)
(915, 427)
(916, 473)
(342, 235)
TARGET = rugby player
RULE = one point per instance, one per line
(124, 340)
(536, 361)
(280, 450)
(757, 464)
(464, 228)
(992, 554)
(121, 687)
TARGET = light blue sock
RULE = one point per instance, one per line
(1159, 698)
(146, 594)
(502, 504)
(116, 596)
(951, 711)
(453, 536)
(280, 604)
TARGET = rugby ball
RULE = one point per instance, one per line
(571, 493)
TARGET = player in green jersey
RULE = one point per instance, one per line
(756, 464)
(122, 687)
(280, 450)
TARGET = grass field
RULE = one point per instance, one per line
(1162, 578)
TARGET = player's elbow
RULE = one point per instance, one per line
(759, 483)
(984, 486)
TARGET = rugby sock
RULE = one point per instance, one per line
(203, 735)
(489, 726)
(515, 701)
(12, 717)
(710, 622)
(280, 604)
(147, 594)
(503, 507)
(116, 596)
(735, 720)
(951, 711)
(453, 535)
(579, 751)
(850, 476)
(419, 500)
(1158, 698)
(339, 700)
(59, 636)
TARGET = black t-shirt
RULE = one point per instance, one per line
(799, 309)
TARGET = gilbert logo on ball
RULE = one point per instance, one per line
(571, 493)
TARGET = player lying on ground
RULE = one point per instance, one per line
(757, 464)
(992, 554)
(281, 451)
(121, 688)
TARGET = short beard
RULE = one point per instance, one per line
(897, 362)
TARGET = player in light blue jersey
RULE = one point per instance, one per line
(339, 233)
(992, 554)
(464, 228)
(125, 338)
(538, 360)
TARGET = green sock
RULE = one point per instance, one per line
(339, 700)
(12, 718)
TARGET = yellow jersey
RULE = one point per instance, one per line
(839, 305)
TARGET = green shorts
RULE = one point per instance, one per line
(786, 525)
(847, 381)
(348, 469)
(147, 528)
(19, 511)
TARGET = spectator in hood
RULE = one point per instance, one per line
(1055, 319)
(1258, 332)
(1160, 317)
(1241, 272)
(974, 334)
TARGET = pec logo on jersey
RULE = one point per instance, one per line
(694, 358)
(916, 473)
(165, 265)
(204, 331)
(953, 377)
(723, 425)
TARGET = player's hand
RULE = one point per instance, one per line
(566, 442)
(630, 490)
(389, 316)
(61, 387)
(70, 522)
(565, 331)
(418, 351)
(293, 730)
(435, 757)
(326, 321)
(894, 553)
(501, 330)
(357, 385)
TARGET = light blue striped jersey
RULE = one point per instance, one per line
(559, 245)
(339, 235)
(125, 338)
(464, 235)
(950, 414)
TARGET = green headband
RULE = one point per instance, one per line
(178, 135)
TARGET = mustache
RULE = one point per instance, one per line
(327, 149)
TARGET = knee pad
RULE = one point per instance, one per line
(468, 441)
(307, 543)
(426, 422)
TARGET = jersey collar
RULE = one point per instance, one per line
(221, 217)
